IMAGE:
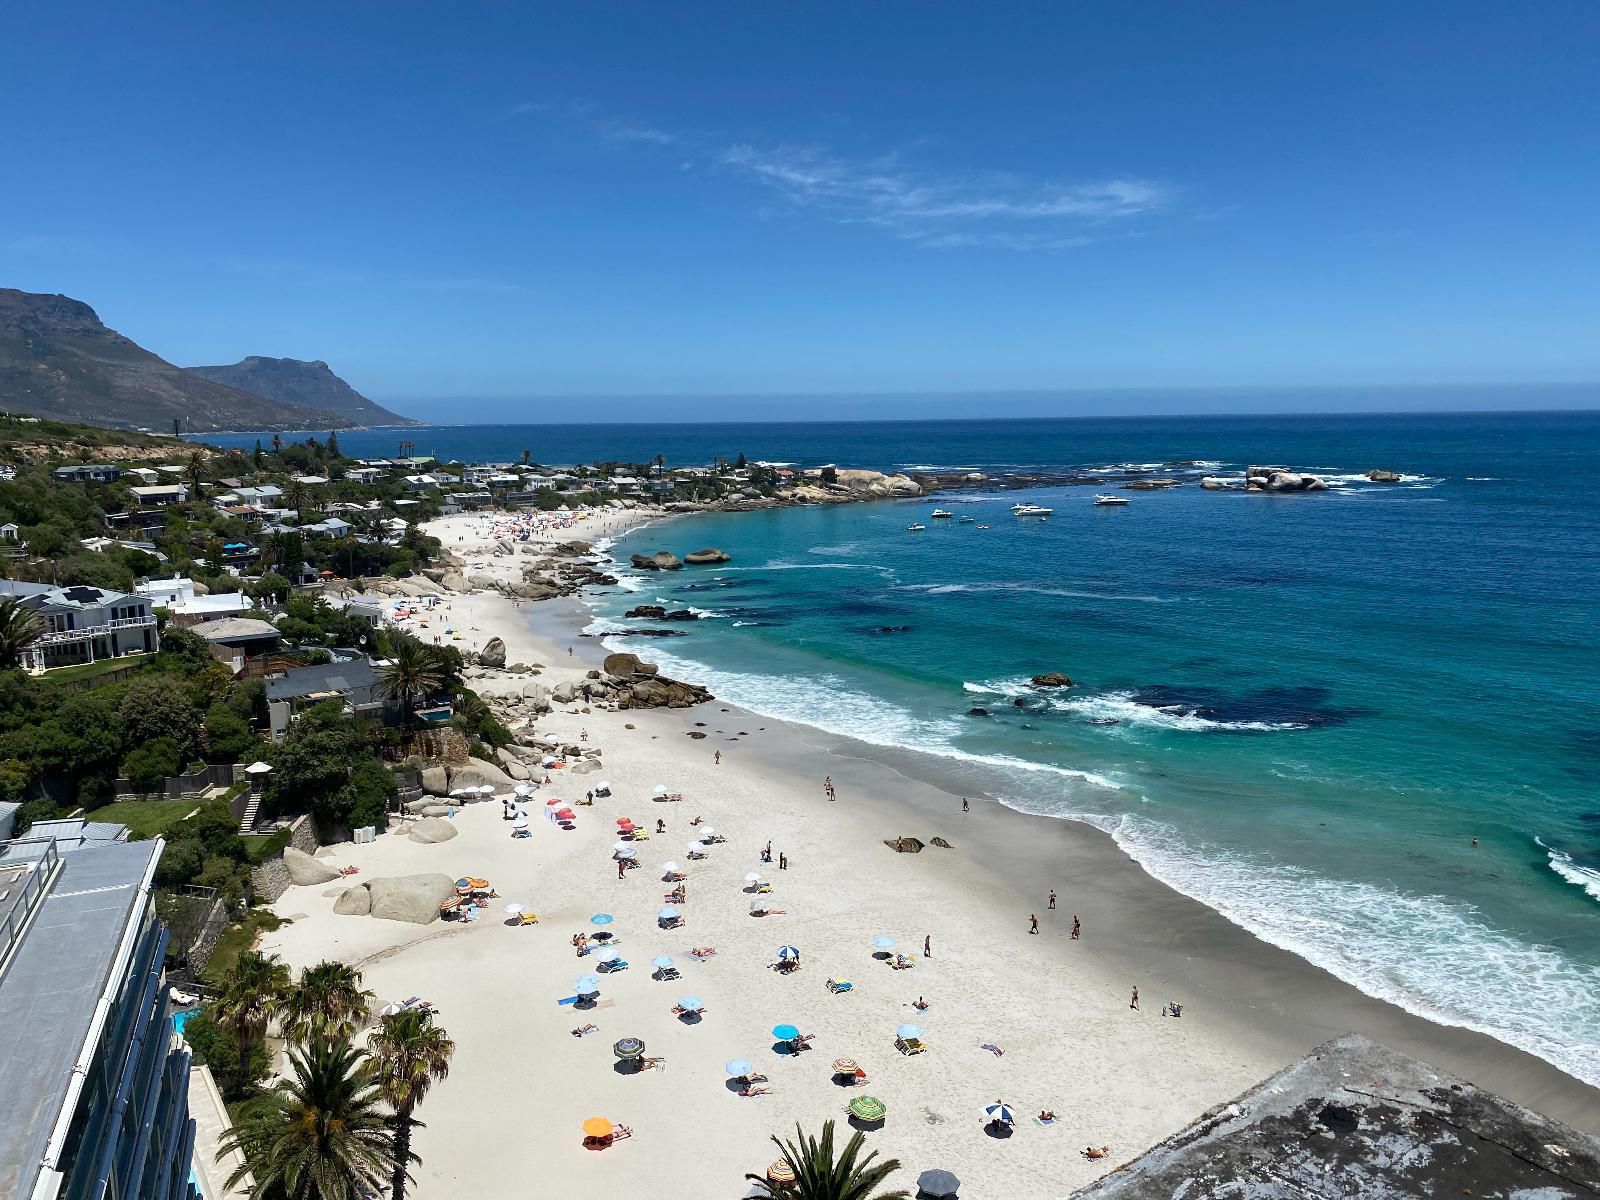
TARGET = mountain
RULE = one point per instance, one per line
(307, 384)
(57, 359)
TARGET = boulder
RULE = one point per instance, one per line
(573, 549)
(493, 653)
(1051, 679)
(647, 612)
(435, 780)
(485, 582)
(436, 810)
(508, 760)
(622, 665)
(353, 902)
(455, 581)
(1381, 476)
(565, 692)
(413, 898)
(305, 870)
(504, 547)
(707, 556)
(433, 829)
(587, 766)
(537, 696)
(661, 560)
(476, 773)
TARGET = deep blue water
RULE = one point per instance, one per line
(1298, 709)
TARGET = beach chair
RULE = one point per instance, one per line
(640, 835)
(840, 985)
(529, 918)
(667, 974)
(910, 1046)
(611, 968)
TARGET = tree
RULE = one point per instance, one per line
(328, 1003)
(526, 455)
(249, 999)
(156, 706)
(819, 1176)
(739, 462)
(228, 737)
(149, 763)
(322, 1134)
(410, 1054)
(295, 495)
(20, 629)
(277, 443)
(829, 475)
(415, 672)
(333, 445)
(257, 456)
(196, 470)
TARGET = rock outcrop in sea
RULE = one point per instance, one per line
(1281, 479)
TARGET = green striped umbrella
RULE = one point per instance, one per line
(628, 1048)
(868, 1108)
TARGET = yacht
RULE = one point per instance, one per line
(914, 527)
(1031, 510)
(1111, 501)
(940, 513)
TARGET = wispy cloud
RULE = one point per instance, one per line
(931, 208)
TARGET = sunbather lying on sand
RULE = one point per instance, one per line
(1093, 1152)
(583, 1029)
(755, 1091)
(703, 952)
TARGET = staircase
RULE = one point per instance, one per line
(247, 823)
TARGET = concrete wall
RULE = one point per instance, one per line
(270, 879)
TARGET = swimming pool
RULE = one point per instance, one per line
(181, 1018)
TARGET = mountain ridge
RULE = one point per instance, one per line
(304, 383)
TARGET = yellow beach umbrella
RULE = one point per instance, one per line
(597, 1127)
(780, 1172)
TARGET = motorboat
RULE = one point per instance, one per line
(1111, 501)
(1031, 510)
(914, 527)
(940, 514)
(965, 520)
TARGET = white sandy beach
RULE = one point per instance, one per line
(521, 1084)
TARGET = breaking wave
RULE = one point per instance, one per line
(1587, 878)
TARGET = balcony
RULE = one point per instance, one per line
(60, 637)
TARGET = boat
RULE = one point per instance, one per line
(965, 520)
(1031, 510)
(983, 527)
(1111, 501)
(940, 513)
(914, 527)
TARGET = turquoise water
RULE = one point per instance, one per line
(1299, 710)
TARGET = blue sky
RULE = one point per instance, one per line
(496, 201)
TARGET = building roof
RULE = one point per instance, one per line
(77, 596)
(234, 629)
(50, 989)
(1357, 1118)
(73, 833)
(339, 677)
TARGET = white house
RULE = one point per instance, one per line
(84, 624)
(166, 493)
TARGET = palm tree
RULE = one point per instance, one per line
(415, 672)
(322, 1134)
(327, 1003)
(411, 1054)
(20, 628)
(277, 442)
(249, 998)
(819, 1176)
(294, 495)
(196, 470)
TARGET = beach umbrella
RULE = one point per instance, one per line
(459, 792)
(515, 910)
(463, 882)
(524, 790)
(486, 789)
(661, 962)
(659, 790)
(692, 1003)
(883, 942)
(738, 1067)
(907, 1032)
(938, 1183)
(868, 1108)
(845, 1066)
(611, 956)
(670, 868)
(600, 919)
(695, 847)
(628, 1048)
(780, 1172)
(521, 823)
(551, 803)
(758, 906)
(667, 914)
(707, 834)
(753, 877)
(597, 1127)
(1000, 1111)
(788, 951)
(785, 1033)
(624, 820)
(565, 814)
(626, 852)
(620, 847)
(587, 985)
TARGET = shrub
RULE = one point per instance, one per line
(148, 766)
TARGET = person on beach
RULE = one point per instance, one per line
(964, 806)
(1134, 1002)
(1033, 923)
(661, 826)
(1075, 927)
(717, 758)
(1052, 903)
(766, 855)
(583, 735)
(927, 946)
(621, 867)
(783, 861)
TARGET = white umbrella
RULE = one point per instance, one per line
(486, 789)
(459, 792)
(627, 852)
(603, 786)
(670, 868)
(695, 847)
(625, 847)
(521, 823)
(523, 789)
(515, 910)
(707, 834)
(660, 790)
(758, 906)
(753, 877)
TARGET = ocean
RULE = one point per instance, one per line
(1300, 710)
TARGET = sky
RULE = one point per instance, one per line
(466, 207)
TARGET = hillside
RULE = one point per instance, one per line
(57, 359)
(306, 384)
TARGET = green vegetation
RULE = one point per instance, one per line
(86, 671)
(235, 943)
(145, 818)
(818, 1175)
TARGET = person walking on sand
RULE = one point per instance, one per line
(583, 735)
(717, 758)
(620, 868)
(1052, 904)
(1075, 927)
(1134, 1003)
(964, 806)
(783, 861)
(927, 945)
(1033, 923)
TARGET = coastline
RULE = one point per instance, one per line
(1059, 1008)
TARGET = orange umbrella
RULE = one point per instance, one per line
(597, 1127)
(781, 1172)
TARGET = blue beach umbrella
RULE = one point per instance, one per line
(661, 962)
(883, 942)
(785, 1033)
(1000, 1111)
(908, 1032)
(667, 914)
(587, 985)
(600, 919)
(611, 956)
(691, 1002)
(788, 951)
(738, 1067)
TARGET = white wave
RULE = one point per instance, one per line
(705, 614)
(1122, 708)
(1483, 478)
(941, 589)
(600, 626)
(1561, 863)
(842, 549)
(739, 624)
(1432, 956)
(792, 566)
(630, 583)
